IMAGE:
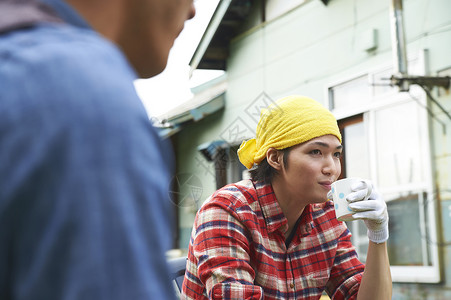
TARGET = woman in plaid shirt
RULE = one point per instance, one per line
(276, 236)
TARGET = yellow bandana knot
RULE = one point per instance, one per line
(247, 151)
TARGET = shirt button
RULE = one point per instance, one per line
(292, 285)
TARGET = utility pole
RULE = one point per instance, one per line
(401, 77)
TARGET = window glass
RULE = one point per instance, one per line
(356, 151)
(359, 238)
(363, 245)
(351, 93)
(398, 146)
(355, 145)
(407, 246)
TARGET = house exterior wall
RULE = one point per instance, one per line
(303, 52)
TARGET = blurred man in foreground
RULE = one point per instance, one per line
(83, 175)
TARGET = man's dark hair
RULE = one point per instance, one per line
(264, 172)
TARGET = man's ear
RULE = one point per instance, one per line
(274, 158)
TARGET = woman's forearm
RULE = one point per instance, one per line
(376, 282)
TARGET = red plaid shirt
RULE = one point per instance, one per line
(237, 250)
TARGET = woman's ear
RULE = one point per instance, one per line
(274, 158)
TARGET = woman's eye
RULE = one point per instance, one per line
(316, 151)
(337, 154)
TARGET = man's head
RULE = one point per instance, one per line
(144, 29)
(288, 122)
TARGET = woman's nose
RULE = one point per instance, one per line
(330, 166)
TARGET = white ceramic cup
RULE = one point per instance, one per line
(340, 190)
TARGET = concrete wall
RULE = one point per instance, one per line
(303, 52)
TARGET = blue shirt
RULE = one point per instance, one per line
(84, 211)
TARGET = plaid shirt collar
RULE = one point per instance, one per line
(273, 215)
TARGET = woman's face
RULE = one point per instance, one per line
(311, 168)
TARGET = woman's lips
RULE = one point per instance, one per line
(326, 185)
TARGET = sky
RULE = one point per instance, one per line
(172, 87)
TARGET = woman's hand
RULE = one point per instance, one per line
(372, 211)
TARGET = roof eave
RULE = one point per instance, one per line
(215, 21)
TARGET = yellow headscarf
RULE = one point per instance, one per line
(287, 122)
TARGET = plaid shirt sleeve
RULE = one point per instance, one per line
(346, 275)
(221, 247)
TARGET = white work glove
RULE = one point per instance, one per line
(372, 211)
